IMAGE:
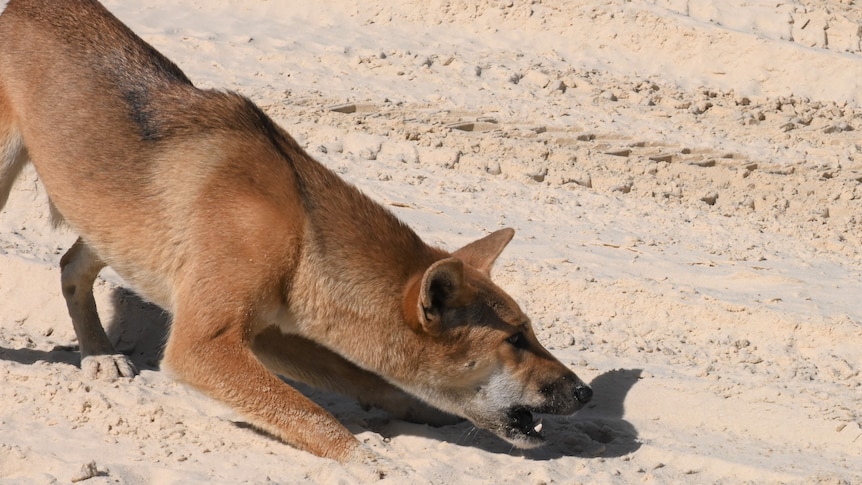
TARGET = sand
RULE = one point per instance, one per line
(685, 179)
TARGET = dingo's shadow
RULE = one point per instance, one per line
(139, 330)
(58, 355)
(136, 328)
(599, 430)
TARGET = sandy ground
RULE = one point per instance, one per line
(685, 179)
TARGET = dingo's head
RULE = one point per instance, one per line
(481, 358)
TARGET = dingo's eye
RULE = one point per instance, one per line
(518, 340)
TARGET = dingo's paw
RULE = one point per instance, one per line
(108, 367)
(369, 466)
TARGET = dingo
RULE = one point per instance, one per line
(267, 262)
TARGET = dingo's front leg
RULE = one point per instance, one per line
(79, 268)
(305, 361)
(208, 349)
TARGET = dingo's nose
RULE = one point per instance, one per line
(583, 394)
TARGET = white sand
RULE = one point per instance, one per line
(706, 278)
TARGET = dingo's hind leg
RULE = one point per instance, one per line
(79, 268)
(13, 156)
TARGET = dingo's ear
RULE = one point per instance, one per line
(441, 287)
(481, 254)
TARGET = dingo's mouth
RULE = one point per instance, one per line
(521, 429)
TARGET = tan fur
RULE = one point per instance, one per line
(267, 261)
